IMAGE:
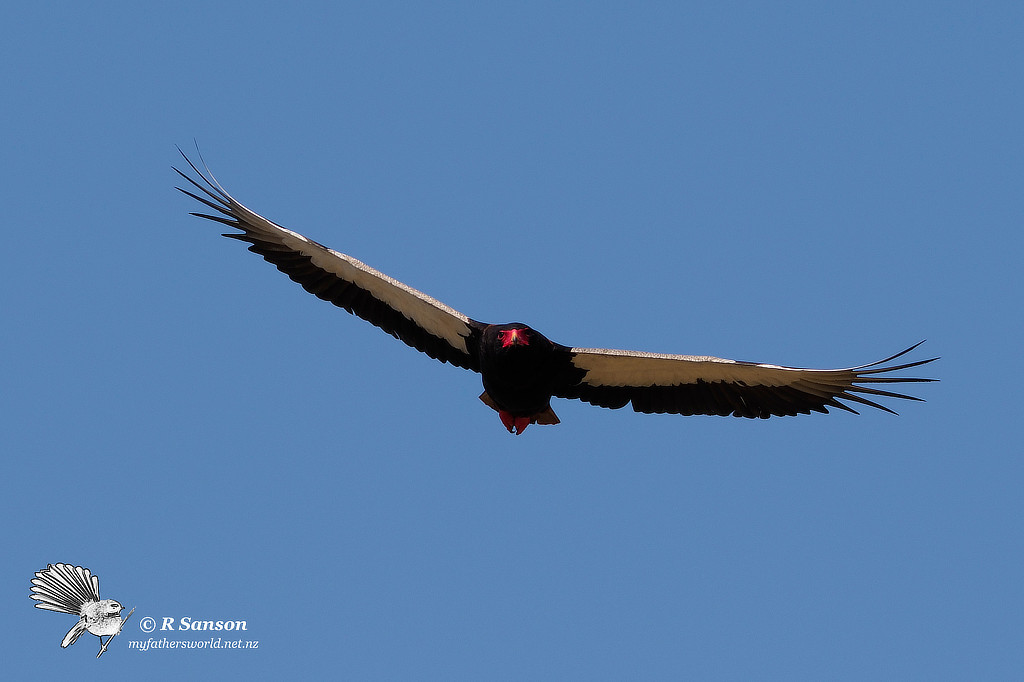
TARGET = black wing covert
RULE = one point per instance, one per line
(409, 315)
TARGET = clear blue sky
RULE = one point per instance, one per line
(815, 185)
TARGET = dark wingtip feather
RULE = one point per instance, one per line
(864, 369)
(864, 375)
(213, 189)
(864, 401)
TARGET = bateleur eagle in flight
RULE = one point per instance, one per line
(521, 369)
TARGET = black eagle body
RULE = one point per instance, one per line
(521, 369)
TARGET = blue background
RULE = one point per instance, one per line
(811, 184)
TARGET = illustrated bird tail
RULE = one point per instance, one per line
(65, 588)
(73, 634)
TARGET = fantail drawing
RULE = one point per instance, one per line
(75, 590)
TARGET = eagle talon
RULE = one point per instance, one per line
(514, 425)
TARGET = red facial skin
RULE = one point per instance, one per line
(513, 337)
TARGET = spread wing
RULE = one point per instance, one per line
(687, 384)
(422, 322)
